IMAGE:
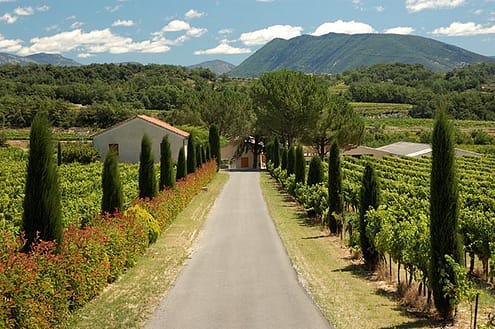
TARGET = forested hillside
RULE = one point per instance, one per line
(466, 93)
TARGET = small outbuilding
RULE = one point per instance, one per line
(125, 138)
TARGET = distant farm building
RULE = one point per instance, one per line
(235, 156)
(125, 138)
(401, 149)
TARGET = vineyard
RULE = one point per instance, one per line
(80, 187)
(399, 228)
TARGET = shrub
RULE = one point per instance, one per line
(78, 152)
(142, 215)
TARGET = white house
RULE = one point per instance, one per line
(125, 137)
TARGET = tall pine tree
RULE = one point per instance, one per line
(335, 199)
(444, 238)
(181, 165)
(147, 178)
(369, 199)
(42, 217)
(300, 165)
(214, 140)
(166, 166)
(112, 198)
(283, 159)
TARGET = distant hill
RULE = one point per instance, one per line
(336, 53)
(216, 66)
(42, 58)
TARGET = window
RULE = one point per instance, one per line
(114, 148)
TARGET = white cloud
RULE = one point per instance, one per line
(10, 45)
(379, 9)
(464, 29)
(196, 32)
(265, 0)
(350, 27)
(111, 9)
(193, 14)
(8, 1)
(120, 22)
(51, 27)
(43, 8)
(418, 5)
(226, 31)
(85, 55)
(71, 17)
(76, 25)
(96, 41)
(8, 18)
(223, 49)
(263, 36)
(24, 11)
(400, 30)
(176, 26)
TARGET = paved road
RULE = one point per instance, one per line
(240, 275)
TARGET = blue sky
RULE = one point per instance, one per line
(185, 32)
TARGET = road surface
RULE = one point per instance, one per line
(239, 275)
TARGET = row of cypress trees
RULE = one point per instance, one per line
(444, 212)
(42, 216)
(444, 238)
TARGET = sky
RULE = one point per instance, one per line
(186, 32)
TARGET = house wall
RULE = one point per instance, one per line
(228, 156)
(128, 136)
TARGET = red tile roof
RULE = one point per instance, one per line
(164, 125)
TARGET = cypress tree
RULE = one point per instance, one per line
(112, 198)
(208, 152)
(214, 139)
(276, 153)
(300, 165)
(147, 178)
(443, 215)
(191, 154)
(59, 154)
(283, 159)
(369, 199)
(42, 217)
(291, 161)
(269, 152)
(166, 166)
(181, 165)
(203, 154)
(198, 156)
(335, 200)
(315, 172)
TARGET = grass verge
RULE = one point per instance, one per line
(341, 288)
(131, 300)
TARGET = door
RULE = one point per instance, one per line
(244, 162)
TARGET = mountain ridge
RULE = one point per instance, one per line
(216, 66)
(335, 53)
(40, 58)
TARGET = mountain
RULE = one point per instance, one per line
(216, 66)
(336, 53)
(14, 59)
(42, 58)
(54, 59)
